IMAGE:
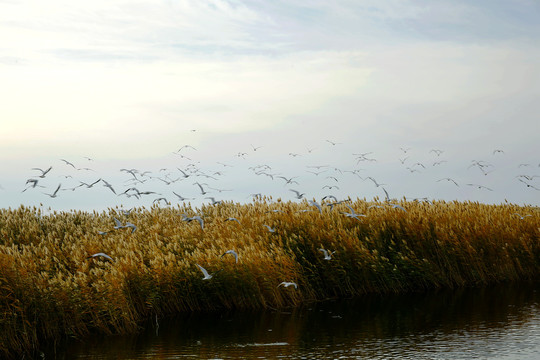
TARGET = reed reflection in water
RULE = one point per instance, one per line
(497, 322)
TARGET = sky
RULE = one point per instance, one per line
(262, 89)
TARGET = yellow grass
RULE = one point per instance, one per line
(49, 289)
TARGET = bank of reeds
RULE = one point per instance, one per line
(50, 290)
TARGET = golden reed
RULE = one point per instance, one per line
(50, 289)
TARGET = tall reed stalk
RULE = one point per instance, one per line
(50, 290)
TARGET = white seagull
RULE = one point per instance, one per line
(316, 204)
(101, 255)
(298, 194)
(53, 195)
(198, 218)
(287, 284)
(352, 214)
(43, 172)
(233, 219)
(232, 252)
(207, 276)
(327, 255)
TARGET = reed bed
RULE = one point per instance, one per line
(50, 290)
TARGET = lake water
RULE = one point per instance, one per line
(497, 322)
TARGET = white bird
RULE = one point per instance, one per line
(68, 163)
(480, 187)
(101, 255)
(232, 252)
(288, 181)
(213, 200)
(181, 198)
(330, 197)
(327, 255)
(161, 199)
(352, 214)
(106, 184)
(53, 195)
(128, 225)
(207, 276)
(448, 179)
(198, 218)
(298, 194)
(396, 206)
(287, 284)
(375, 181)
(132, 226)
(386, 194)
(33, 183)
(203, 192)
(316, 204)
(522, 216)
(118, 224)
(233, 219)
(43, 172)
(89, 185)
(186, 146)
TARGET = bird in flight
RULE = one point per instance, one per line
(53, 195)
(522, 216)
(448, 179)
(203, 192)
(181, 198)
(100, 254)
(316, 204)
(352, 214)
(287, 284)
(213, 200)
(480, 186)
(233, 219)
(298, 194)
(207, 276)
(198, 218)
(43, 172)
(68, 163)
(375, 181)
(327, 254)
(232, 252)
(106, 184)
(396, 206)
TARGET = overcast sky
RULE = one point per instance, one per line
(128, 83)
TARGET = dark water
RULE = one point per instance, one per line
(501, 322)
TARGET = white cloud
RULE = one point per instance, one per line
(129, 80)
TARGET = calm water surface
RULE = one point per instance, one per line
(501, 322)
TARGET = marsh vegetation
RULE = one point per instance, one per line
(50, 288)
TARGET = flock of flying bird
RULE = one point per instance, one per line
(204, 180)
(327, 255)
(190, 169)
